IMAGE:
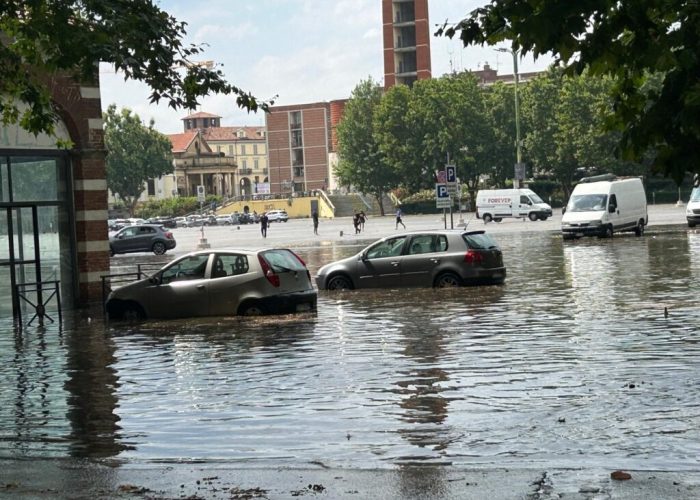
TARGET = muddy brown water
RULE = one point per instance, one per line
(571, 363)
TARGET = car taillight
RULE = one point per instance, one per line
(268, 272)
(169, 235)
(472, 257)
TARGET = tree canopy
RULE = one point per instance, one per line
(41, 38)
(135, 153)
(630, 40)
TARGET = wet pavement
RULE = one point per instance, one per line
(584, 362)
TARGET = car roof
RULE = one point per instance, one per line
(438, 231)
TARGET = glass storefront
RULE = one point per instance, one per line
(36, 235)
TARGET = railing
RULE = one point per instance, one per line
(363, 200)
(40, 302)
(394, 199)
(324, 195)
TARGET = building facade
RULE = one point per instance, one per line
(53, 204)
(406, 36)
(299, 140)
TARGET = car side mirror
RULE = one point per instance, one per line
(363, 257)
(563, 210)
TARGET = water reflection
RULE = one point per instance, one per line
(572, 362)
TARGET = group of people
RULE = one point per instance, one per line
(358, 221)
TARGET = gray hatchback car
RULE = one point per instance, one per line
(426, 258)
(142, 238)
(219, 283)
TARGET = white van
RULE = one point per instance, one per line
(692, 210)
(497, 204)
(603, 205)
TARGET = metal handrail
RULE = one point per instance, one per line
(21, 289)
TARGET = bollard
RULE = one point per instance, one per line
(341, 233)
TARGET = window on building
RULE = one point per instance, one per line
(213, 122)
(255, 149)
(297, 157)
(151, 186)
(244, 163)
(230, 150)
(256, 164)
(218, 149)
(296, 139)
(295, 119)
(298, 171)
(243, 149)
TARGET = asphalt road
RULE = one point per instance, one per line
(299, 232)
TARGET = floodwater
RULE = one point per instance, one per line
(571, 363)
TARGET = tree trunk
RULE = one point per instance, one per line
(380, 203)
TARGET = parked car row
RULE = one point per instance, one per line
(224, 282)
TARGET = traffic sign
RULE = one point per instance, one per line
(450, 174)
(442, 196)
(201, 195)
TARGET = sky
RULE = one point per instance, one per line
(296, 51)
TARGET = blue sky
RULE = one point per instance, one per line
(300, 50)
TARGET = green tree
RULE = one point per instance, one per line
(500, 104)
(455, 122)
(362, 164)
(135, 153)
(630, 40)
(40, 38)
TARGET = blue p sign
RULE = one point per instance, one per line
(451, 173)
(442, 191)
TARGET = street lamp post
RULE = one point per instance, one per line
(518, 170)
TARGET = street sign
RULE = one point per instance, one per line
(442, 196)
(201, 195)
(450, 174)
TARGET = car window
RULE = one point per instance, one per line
(441, 245)
(146, 230)
(423, 243)
(129, 232)
(190, 268)
(479, 241)
(229, 265)
(387, 248)
(282, 260)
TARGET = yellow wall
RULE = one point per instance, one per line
(295, 207)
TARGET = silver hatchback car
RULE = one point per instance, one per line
(426, 258)
(219, 283)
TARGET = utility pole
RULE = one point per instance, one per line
(519, 170)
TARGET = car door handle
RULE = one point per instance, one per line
(394, 263)
(200, 287)
(435, 260)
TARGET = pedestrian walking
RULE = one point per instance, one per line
(399, 215)
(356, 222)
(264, 223)
(314, 217)
(363, 217)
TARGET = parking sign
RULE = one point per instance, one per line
(442, 196)
(450, 174)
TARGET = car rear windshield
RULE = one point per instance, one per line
(479, 241)
(282, 260)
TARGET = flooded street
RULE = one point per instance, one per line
(571, 363)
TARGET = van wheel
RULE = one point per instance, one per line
(567, 236)
(691, 223)
(533, 216)
(487, 218)
(543, 218)
(607, 232)
(448, 280)
(639, 230)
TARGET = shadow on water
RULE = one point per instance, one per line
(571, 362)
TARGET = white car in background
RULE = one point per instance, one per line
(277, 216)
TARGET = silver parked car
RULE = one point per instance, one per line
(426, 258)
(219, 283)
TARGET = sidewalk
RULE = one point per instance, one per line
(76, 479)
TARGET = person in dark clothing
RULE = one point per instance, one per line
(363, 217)
(314, 217)
(264, 223)
(399, 219)
(356, 222)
